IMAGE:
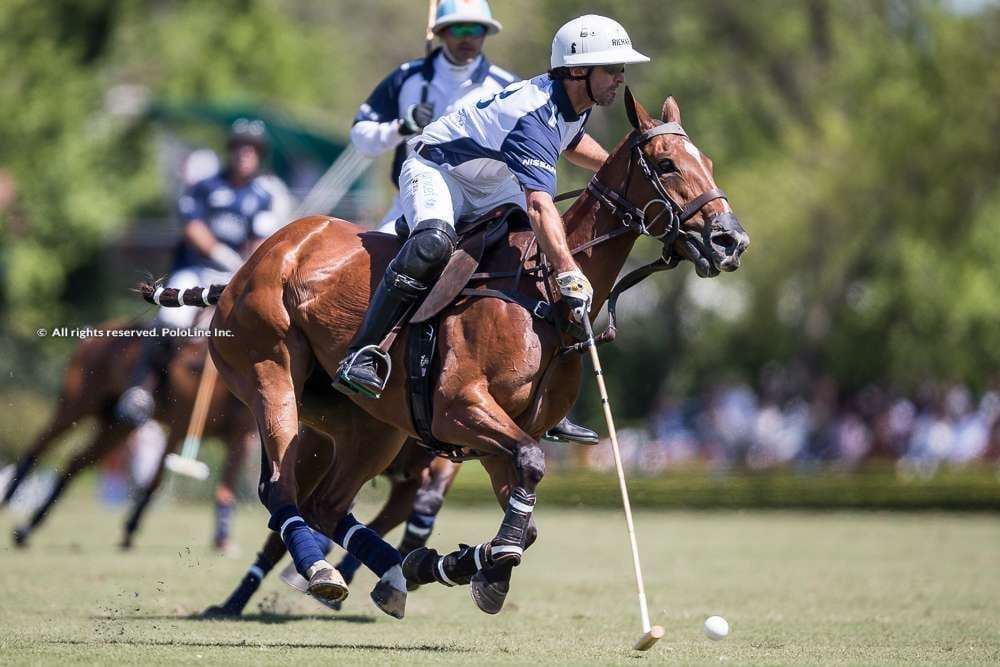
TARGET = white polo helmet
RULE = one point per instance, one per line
(593, 40)
(466, 11)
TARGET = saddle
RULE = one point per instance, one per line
(474, 238)
(477, 238)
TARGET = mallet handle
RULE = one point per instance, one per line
(429, 37)
(606, 404)
(199, 413)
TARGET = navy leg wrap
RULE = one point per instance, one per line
(366, 545)
(297, 536)
(453, 569)
(418, 530)
(323, 542)
(348, 567)
(223, 521)
(510, 540)
(249, 585)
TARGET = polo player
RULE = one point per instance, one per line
(503, 149)
(417, 92)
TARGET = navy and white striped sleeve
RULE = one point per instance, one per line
(382, 106)
(502, 76)
(531, 151)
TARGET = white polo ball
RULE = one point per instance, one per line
(716, 628)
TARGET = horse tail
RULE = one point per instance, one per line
(171, 297)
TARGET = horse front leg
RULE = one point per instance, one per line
(480, 423)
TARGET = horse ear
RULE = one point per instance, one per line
(637, 116)
(671, 113)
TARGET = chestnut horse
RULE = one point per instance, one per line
(505, 376)
(98, 373)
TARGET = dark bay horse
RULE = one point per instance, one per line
(504, 377)
(100, 370)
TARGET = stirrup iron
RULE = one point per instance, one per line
(382, 362)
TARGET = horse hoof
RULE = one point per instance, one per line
(327, 584)
(21, 537)
(488, 595)
(389, 599)
(125, 544)
(411, 586)
(220, 611)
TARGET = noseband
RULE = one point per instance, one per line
(633, 217)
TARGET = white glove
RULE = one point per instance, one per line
(576, 290)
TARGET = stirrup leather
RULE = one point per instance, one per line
(383, 367)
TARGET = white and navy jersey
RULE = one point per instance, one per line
(234, 215)
(518, 133)
(376, 126)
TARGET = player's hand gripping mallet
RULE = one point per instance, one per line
(650, 634)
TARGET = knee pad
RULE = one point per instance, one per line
(426, 251)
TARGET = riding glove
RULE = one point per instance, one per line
(416, 118)
(576, 290)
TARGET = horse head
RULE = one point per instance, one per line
(681, 204)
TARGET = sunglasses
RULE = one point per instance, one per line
(613, 70)
(466, 30)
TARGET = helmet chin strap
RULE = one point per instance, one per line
(586, 77)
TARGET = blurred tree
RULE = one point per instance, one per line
(855, 139)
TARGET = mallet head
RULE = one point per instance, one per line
(646, 642)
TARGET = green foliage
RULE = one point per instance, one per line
(855, 140)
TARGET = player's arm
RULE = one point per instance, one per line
(549, 229)
(380, 124)
(201, 238)
(586, 154)
(197, 234)
(371, 138)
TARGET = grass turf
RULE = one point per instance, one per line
(797, 588)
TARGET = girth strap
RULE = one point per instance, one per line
(543, 310)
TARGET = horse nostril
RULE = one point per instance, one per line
(725, 241)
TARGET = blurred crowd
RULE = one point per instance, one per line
(734, 426)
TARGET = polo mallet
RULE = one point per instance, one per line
(187, 463)
(429, 37)
(650, 634)
(428, 44)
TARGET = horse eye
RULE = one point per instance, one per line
(666, 166)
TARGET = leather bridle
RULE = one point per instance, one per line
(634, 218)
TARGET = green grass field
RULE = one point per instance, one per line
(797, 588)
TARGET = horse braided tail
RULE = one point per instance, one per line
(172, 297)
